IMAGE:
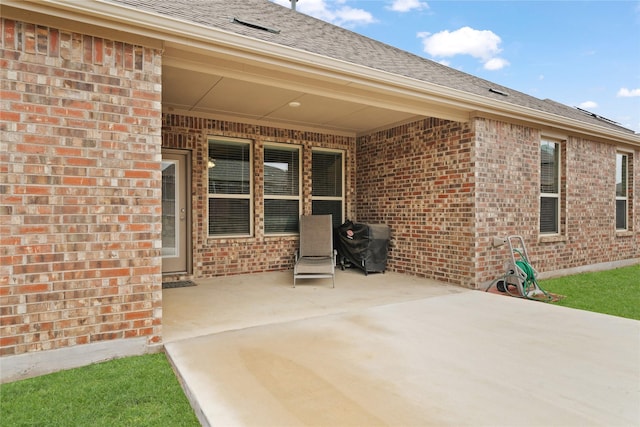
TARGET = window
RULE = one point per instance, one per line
(327, 189)
(281, 189)
(549, 187)
(230, 189)
(622, 165)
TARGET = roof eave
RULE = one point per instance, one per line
(191, 35)
(559, 125)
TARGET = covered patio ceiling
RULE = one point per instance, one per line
(225, 97)
(232, 88)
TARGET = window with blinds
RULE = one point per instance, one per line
(281, 189)
(622, 163)
(327, 194)
(230, 187)
(549, 187)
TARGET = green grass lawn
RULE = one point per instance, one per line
(133, 391)
(615, 292)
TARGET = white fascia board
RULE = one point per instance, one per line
(193, 35)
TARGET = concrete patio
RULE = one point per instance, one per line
(388, 349)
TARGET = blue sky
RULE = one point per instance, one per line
(583, 54)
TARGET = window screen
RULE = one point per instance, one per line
(621, 191)
(327, 177)
(281, 189)
(549, 187)
(549, 167)
(327, 174)
(281, 216)
(229, 216)
(548, 215)
(229, 182)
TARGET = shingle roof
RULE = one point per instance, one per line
(299, 31)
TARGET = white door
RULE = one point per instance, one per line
(175, 213)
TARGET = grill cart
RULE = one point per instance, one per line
(363, 245)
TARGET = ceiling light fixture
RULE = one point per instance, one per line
(294, 104)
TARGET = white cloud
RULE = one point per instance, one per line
(588, 104)
(349, 16)
(339, 15)
(495, 64)
(481, 44)
(628, 93)
(408, 5)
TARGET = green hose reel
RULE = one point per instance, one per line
(520, 275)
(526, 269)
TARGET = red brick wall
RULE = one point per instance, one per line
(227, 256)
(507, 190)
(419, 179)
(80, 124)
(507, 197)
(446, 189)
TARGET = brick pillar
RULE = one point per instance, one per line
(418, 178)
(80, 194)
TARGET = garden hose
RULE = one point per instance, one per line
(523, 272)
(520, 275)
(530, 279)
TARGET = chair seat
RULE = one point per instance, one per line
(315, 265)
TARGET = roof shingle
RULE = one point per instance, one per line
(306, 33)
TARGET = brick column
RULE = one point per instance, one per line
(80, 194)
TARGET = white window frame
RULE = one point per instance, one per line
(341, 199)
(249, 196)
(557, 196)
(298, 197)
(624, 197)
